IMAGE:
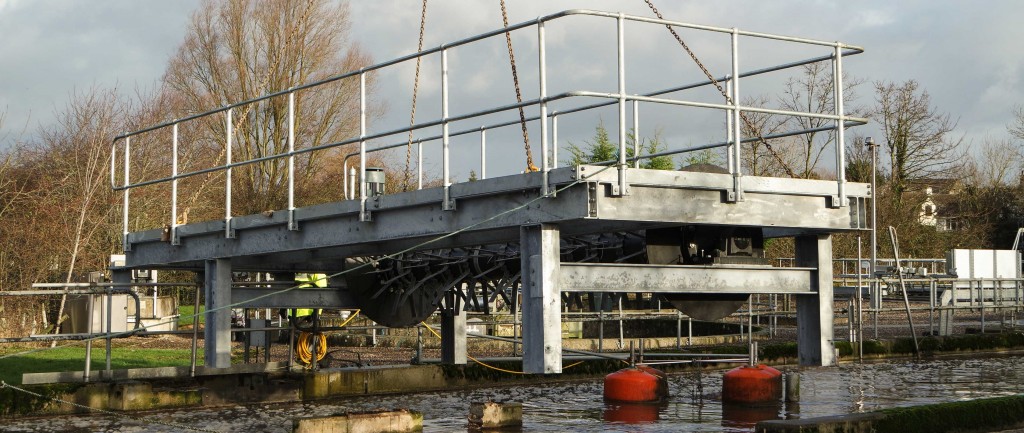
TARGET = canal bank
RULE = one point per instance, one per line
(273, 384)
(577, 404)
(982, 415)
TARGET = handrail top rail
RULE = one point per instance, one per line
(853, 49)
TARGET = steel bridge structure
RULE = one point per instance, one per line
(516, 227)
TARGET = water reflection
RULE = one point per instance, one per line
(746, 416)
(633, 413)
(579, 406)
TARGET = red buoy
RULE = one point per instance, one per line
(752, 385)
(634, 385)
(662, 389)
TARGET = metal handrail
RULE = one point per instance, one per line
(620, 97)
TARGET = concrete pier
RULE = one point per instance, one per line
(396, 421)
(491, 415)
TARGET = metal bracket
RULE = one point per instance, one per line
(447, 202)
(364, 214)
(592, 199)
(834, 202)
(229, 229)
(292, 224)
(735, 195)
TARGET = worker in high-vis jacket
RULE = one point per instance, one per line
(303, 317)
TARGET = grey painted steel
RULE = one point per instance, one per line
(593, 277)
(296, 298)
(453, 336)
(217, 334)
(542, 320)
(332, 231)
(814, 312)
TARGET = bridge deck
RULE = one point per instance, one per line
(492, 210)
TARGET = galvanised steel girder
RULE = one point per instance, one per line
(718, 279)
(327, 233)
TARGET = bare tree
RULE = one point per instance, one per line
(993, 164)
(918, 138)
(757, 159)
(1017, 127)
(75, 152)
(10, 191)
(814, 92)
(241, 49)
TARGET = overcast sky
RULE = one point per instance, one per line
(967, 55)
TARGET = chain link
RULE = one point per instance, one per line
(721, 90)
(519, 95)
(415, 90)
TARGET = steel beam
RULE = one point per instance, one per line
(542, 320)
(217, 334)
(251, 297)
(492, 210)
(598, 277)
(814, 314)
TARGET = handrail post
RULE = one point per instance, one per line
(622, 188)
(364, 215)
(636, 134)
(729, 153)
(174, 185)
(419, 165)
(554, 139)
(292, 224)
(837, 83)
(110, 324)
(124, 208)
(445, 162)
(736, 195)
(483, 153)
(229, 232)
(542, 69)
(91, 310)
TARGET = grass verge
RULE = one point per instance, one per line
(73, 359)
(186, 312)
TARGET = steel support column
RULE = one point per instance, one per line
(217, 334)
(542, 321)
(453, 333)
(814, 312)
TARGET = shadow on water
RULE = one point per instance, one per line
(694, 404)
(746, 416)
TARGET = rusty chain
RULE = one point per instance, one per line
(415, 91)
(721, 90)
(519, 95)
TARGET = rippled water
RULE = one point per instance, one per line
(847, 388)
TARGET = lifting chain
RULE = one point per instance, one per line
(519, 95)
(721, 90)
(415, 91)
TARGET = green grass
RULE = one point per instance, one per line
(186, 312)
(73, 359)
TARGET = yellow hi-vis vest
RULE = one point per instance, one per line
(305, 281)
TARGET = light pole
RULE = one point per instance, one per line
(876, 297)
(873, 148)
